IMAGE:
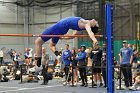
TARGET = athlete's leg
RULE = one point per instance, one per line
(52, 45)
(38, 45)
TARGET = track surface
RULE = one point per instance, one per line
(53, 87)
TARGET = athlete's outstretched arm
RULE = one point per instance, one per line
(75, 33)
(88, 26)
(90, 33)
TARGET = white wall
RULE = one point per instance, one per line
(9, 18)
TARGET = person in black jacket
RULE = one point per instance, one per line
(96, 55)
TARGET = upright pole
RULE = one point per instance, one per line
(26, 24)
(109, 28)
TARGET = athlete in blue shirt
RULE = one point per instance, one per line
(61, 28)
(66, 55)
(66, 58)
(126, 54)
(81, 58)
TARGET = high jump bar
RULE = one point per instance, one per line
(31, 35)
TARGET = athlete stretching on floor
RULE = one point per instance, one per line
(60, 28)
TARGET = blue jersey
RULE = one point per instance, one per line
(70, 23)
(126, 54)
(61, 28)
(66, 57)
(81, 58)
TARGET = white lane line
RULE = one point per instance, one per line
(31, 88)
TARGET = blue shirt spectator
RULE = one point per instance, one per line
(126, 54)
(66, 57)
(126, 58)
(81, 57)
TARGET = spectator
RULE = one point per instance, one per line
(81, 58)
(30, 55)
(74, 66)
(103, 64)
(130, 45)
(16, 64)
(35, 61)
(136, 85)
(60, 61)
(10, 53)
(1, 56)
(3, 73)
(16, 58)
(96, 56)
(60, 52)
(126, 58)
(88, 51)
(66, 55)
(45, 59)
(26, 55)
(135, 59)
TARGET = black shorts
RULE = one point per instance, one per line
(96, 69)
(74, 64)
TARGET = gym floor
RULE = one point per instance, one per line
(54, 86)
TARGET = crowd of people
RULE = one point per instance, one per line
(83, 59)
(77, 64)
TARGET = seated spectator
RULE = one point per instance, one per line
(136, 85)
(3, 73)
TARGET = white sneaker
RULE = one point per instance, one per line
(89, 81)
(65, 83)
(132, 88)
(63, 80)
(75, 83)
(122, 87)
(138, 88)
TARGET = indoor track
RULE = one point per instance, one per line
(53, 87)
